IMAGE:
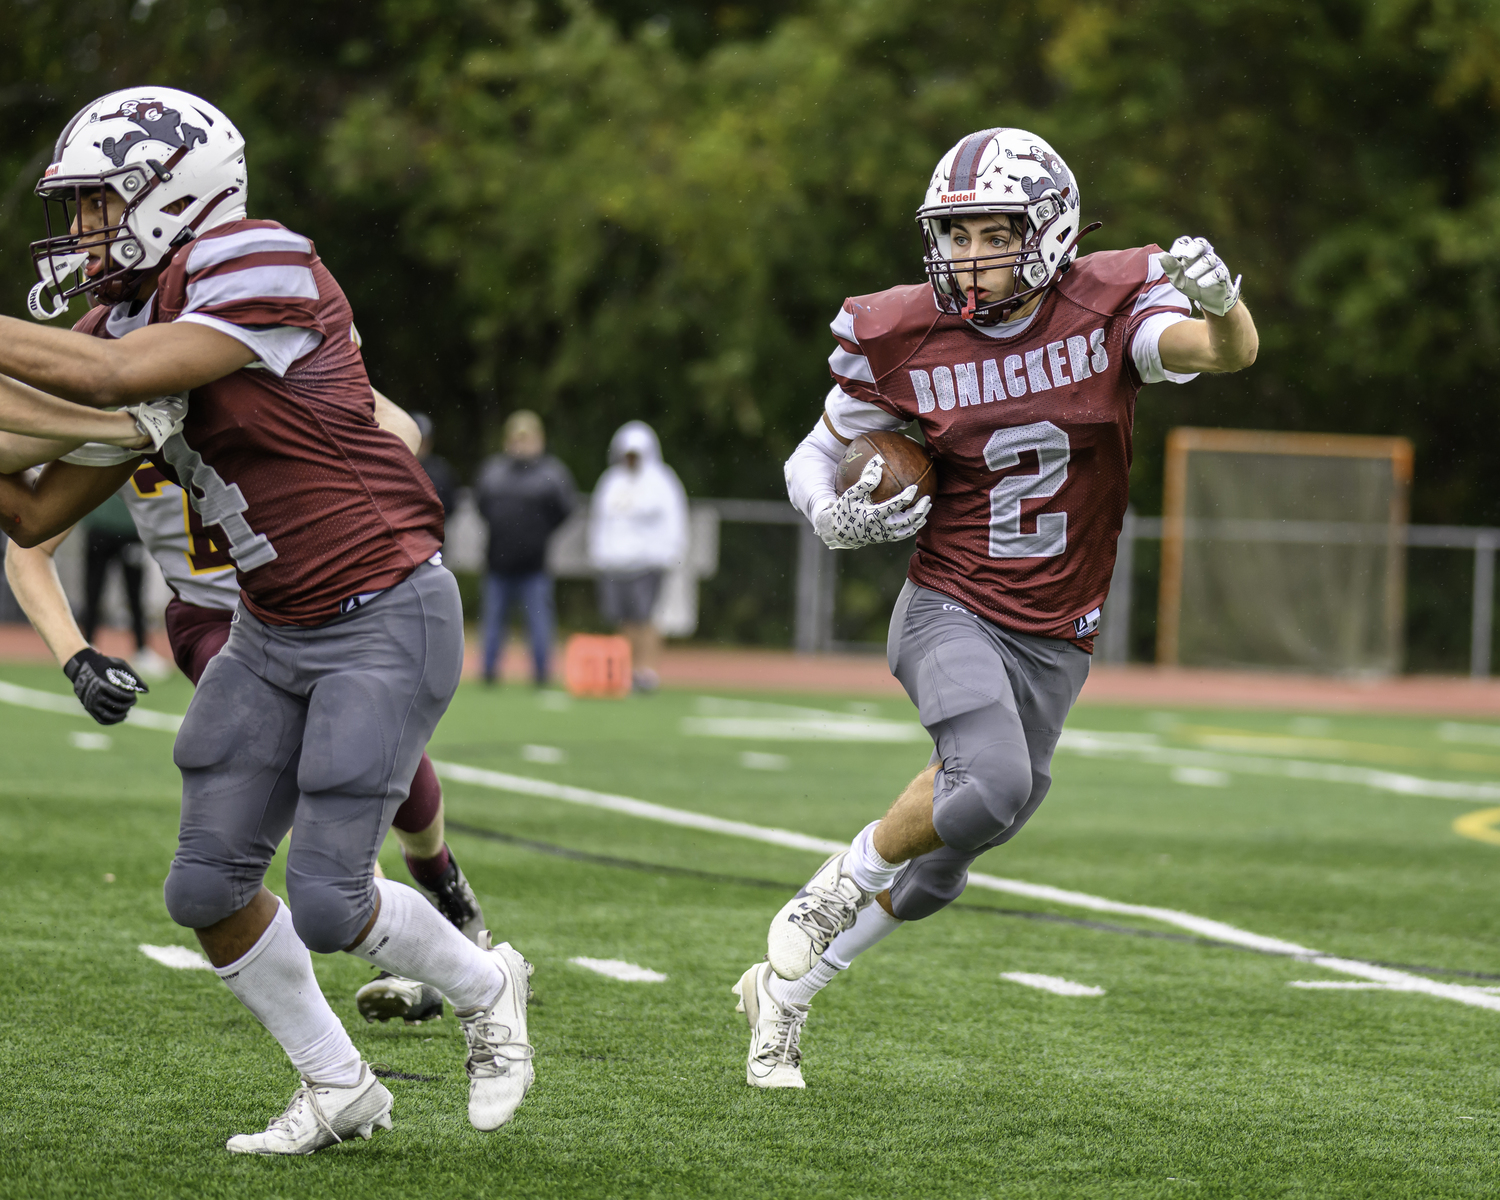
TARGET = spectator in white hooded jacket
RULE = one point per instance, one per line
(638, 526)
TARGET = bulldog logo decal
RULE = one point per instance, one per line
(157, 124)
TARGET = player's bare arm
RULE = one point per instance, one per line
(106, 687)
(33, 512)
(33, 414)
(32, 575)
(391, 417)
(1225, 339)
(159, 360)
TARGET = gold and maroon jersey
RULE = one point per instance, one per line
(309, 497)
(197, 569)
(1031, 424)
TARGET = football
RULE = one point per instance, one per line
(907, 462)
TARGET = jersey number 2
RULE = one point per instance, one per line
(1053, 452)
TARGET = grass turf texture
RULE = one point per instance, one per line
(1198, 1073)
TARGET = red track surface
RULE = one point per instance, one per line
(707, 668)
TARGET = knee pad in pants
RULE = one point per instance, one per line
(977, 799)
(328, 913)
(199, 894)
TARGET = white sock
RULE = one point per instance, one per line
(801, 991)
(274, 980)
(872, 925)
(871, 873)
(412, 938)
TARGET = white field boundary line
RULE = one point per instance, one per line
(1204, 926)
(1090, 744)
(1207, 927)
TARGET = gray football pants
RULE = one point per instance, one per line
(316, 730)
(994, 702)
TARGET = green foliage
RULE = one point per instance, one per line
(629, 209)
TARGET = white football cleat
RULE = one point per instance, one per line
(810, 920)
(499, 1062)
(321, 1115)
(775, 1058)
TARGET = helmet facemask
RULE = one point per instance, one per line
(1029, 269)
(66, 253)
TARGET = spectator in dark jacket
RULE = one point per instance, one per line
(524, 495)
(439, 470)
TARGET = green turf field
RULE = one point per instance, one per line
(1198, 1072)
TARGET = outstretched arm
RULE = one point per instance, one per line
(1214, 344)
(32, 575)
(30, 513)
(35, 414)
(157, 360)
(106, 687)
(1225, 339)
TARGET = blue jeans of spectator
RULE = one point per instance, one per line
(534, 594)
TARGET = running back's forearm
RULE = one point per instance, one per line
(35, 413)
(64, 493)
(19, 452)
(33, 579)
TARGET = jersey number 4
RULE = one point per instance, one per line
(1003, 451)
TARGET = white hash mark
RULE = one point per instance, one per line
(177, 957)
(617, 968)
(1052, 983)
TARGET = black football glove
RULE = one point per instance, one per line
(106, 687)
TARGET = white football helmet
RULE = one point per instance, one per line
(155, 148)
(1001, 171)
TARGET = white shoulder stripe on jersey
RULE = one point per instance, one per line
(210, 252)
(253, 283)
(843, 326)
(1162, 295)
(851, 417)
(275, 349)
(851, 366)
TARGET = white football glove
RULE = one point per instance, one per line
(159, 419)
(1200, 275)
(852, 521)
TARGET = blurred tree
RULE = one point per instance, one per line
(652, 209)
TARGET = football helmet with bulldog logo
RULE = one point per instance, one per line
(1007, 171)
(175, 163)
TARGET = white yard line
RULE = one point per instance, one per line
(1055, 984)
(1204, 926)
(617, 968)
(1135, 746)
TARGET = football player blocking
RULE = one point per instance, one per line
(1020, 361)
(347, 641)
(205, 593)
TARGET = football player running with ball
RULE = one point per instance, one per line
(1020, 363)
(348, 640)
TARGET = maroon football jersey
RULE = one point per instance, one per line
(314, 501)
(1032, 433)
